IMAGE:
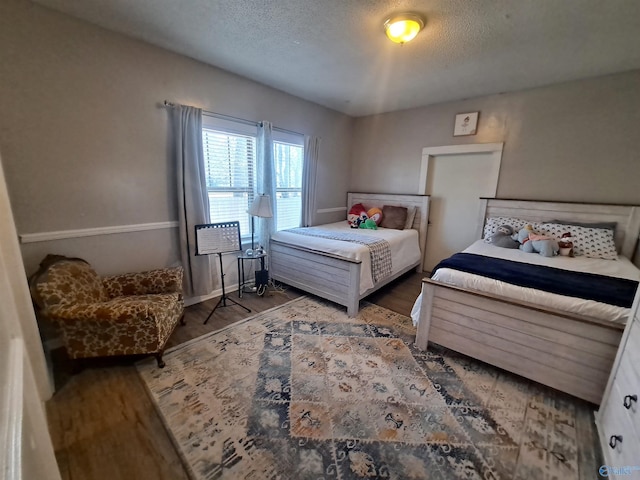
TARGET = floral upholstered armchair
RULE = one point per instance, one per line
(118, 315)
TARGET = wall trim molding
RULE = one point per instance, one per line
(463, 148)
(92, 232)
(429, 152)
(331, 210)
(203, 298)
(12, 412)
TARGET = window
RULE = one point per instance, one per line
(229, 160)
(230, 156)
(288, 160)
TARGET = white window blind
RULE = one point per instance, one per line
(229, 168)
(288, 160)
(230, 156)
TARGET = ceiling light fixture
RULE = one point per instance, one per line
(403, 27)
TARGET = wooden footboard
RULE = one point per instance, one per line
(567, 352)
(328, 276)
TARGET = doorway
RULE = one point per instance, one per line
(26, 450)
(456, 177)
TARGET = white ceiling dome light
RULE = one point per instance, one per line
(403, 27)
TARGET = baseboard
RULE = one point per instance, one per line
(203, 298)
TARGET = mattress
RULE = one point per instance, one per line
(404, 246)
(621, 268)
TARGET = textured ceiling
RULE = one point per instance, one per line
(335, 53)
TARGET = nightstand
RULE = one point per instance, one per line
(243, 283)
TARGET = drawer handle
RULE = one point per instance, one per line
(614, 439)
(628, 399)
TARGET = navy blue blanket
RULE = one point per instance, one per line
(589, 286)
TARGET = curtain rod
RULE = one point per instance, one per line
(235, 119)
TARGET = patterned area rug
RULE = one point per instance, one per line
(304, 392)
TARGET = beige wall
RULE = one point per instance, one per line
(85, 143)
(575, 141)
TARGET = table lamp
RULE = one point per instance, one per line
(261, 207)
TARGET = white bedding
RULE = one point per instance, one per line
(621, 268)
(404, 247)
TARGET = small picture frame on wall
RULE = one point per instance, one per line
(466, 124)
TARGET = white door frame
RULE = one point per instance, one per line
(26, 450)
(429, 152)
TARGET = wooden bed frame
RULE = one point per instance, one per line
(334, 277)
(568, 352)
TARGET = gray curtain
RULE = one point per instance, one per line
(193, 202)
(265, 181)
(309, 170)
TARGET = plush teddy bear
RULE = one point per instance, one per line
(503, 237)
(566, 245)
(531, 242)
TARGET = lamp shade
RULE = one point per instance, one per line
(403, 28)
(261, 207)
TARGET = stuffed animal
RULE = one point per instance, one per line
(566, 245)
(531, 242)
(503, 238)
(357, 214)
(523, 236)
(369, 223)
(375, 214)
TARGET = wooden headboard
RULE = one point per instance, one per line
(421, 202)
(626, 217)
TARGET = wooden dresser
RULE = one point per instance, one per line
(618, 418)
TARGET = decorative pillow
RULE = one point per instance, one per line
(393, 217)
(607, 225)
(357, 214)
(590, 242)
(375, 214)
(411, 215)
(492, 224)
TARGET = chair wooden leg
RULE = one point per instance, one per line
(77, 365)
(159, 359)
(182, 322)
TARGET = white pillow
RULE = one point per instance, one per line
(492, 224)
(590, 242)
(411, 215)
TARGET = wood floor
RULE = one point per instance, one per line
(102, 422)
